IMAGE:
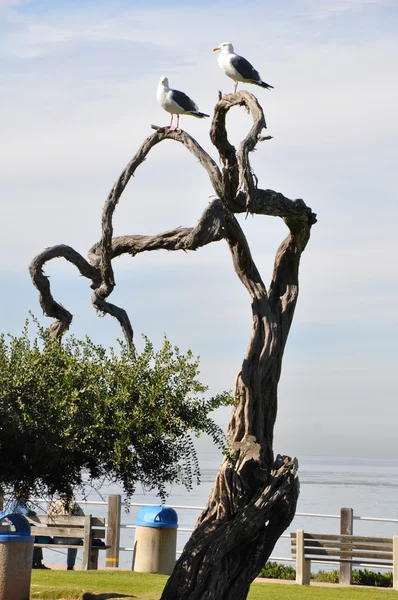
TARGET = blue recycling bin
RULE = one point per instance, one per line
(16, 554)
(155, 540)
(160, 517)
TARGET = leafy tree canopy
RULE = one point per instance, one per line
(74, 410)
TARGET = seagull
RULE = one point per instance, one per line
(238, 68)
(176, 102)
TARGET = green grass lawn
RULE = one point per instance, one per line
(275, 591)
(123, 585)
(95, 585)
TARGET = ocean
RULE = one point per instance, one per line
(368, 486)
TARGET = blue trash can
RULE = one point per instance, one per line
(16, 554)
(155, 540)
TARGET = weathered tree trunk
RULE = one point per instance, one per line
(255, 495)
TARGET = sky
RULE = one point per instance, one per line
(78, 96)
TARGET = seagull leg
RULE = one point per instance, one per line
(170, 127)
(235, 86)
(178, 121)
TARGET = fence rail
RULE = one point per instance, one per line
(114, 525)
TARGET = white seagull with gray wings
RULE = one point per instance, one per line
(238, 68)
(176, 102)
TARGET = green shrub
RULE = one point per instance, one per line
(274, 570)
(359, 577)
(72, 409)
(326, 576)
(367, 577)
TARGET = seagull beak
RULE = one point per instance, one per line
(215, 49)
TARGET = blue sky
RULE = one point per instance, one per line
(78, 97)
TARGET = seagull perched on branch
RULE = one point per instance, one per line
(176, 102)
(238, 68)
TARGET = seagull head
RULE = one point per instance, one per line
(226, 47)
(164, 82)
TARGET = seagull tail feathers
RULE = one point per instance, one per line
(196, 113)
(266, 85)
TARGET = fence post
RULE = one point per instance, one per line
(395, 562)
(303, 567)
(87, 543)
(113, 531)
(346, 528)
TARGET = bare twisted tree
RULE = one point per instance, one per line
(254, 497)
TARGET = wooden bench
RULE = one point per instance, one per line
(87, 528)
(353, 549)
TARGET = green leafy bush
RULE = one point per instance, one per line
(274, 570)
(326, 576)
(367, 577)
(359, 577)
(72, 409)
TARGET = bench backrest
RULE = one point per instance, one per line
(68, 526)
(346, 548)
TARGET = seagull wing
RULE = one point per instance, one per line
(245, 69)
(183, 101)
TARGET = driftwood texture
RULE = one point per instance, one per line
(254, 497)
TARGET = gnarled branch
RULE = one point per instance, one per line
(120, 185)
(50, 307)
(210, 228)
(237, 172)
